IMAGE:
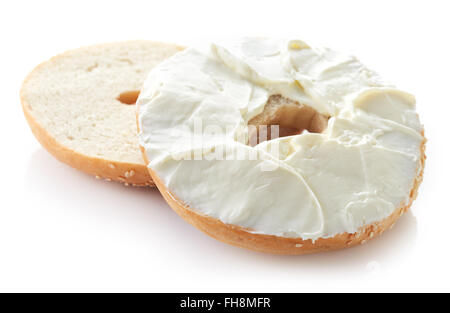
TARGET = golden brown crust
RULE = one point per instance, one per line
(127, 173)
(239, 236)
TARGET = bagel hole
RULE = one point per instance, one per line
(289, 118)
(129, 97)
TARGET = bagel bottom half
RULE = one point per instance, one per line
(244, 238)
(80, 107)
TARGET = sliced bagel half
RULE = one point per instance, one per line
(80, 107)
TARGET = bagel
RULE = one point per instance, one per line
(79, 106)
(338, 156)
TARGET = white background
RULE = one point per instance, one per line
(61, 230)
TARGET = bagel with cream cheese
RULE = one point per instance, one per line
(338, 156)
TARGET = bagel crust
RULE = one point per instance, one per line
(97, 65)
(244, 238)
(100, 168)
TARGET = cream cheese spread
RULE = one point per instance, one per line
(195, 107)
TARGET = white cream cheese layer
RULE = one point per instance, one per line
(356, 172)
